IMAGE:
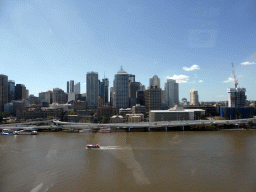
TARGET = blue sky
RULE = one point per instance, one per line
(45, 43)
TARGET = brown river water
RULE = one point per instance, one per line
(126, 161)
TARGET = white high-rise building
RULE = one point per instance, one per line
(194, 97)
(154, 81)
(92, 89)
(121, 90)
(77, 88)
(171, 93)
(236, 97)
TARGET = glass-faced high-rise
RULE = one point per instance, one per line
(92, 89)
(121, 90)
(171, 93)
(3, 91)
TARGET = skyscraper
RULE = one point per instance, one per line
(92, 89)
(20, 92)
(77, 88)
(3, 91)
(67, 86)
(121, 93)
(154, 81)
(171, 93)
(11, 90)
(72, 89)
(133, 88)
(103, 90)
(194, 97)
(153, 98)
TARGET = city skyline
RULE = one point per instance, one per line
(47, 43)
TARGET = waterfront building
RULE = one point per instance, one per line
(117, 119)
(107, 111)
(11, 90)
(20, 92)
(236, 97)
(154, 81)
(121, 91)
(138, 109)
(171, 93)
(67, 86)
(92, 89)
(132, 118)
(153, 98)
(3, 91)
(194, 97)
(133, 88)
(175, 114)
(77, 88)
(237, 112)
(59, 96)
(72, 86)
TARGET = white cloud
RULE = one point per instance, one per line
(192, 68)
(179, 78)
(248, 63)
(84, 84)
(229, 80)
(200, 81)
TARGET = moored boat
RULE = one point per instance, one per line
(93, 146)
(7, 132)
(108, 130)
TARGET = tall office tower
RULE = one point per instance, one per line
(67, 86)
(111, 91)
(103, 90)
(27, 93)
(194, 97)
(133, 88)
(11, 90)
(171, 91)
(72, 89)
(121, 93)
(77, 88)
(140, 96)
(153, 98)
(20, 92)
(131, 78)
(3, 91)
(154, 81)
(236, 97)
(92, 89)
(59, 96)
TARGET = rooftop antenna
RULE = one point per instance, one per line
(235, 79)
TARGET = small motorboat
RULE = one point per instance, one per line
(93, 146)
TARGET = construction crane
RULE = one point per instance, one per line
(235, 79)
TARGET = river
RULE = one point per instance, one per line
(129, 161)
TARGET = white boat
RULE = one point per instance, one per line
(7, 132)
(86, 131)
(93, 146)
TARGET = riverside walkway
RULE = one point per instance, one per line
(128, 126)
